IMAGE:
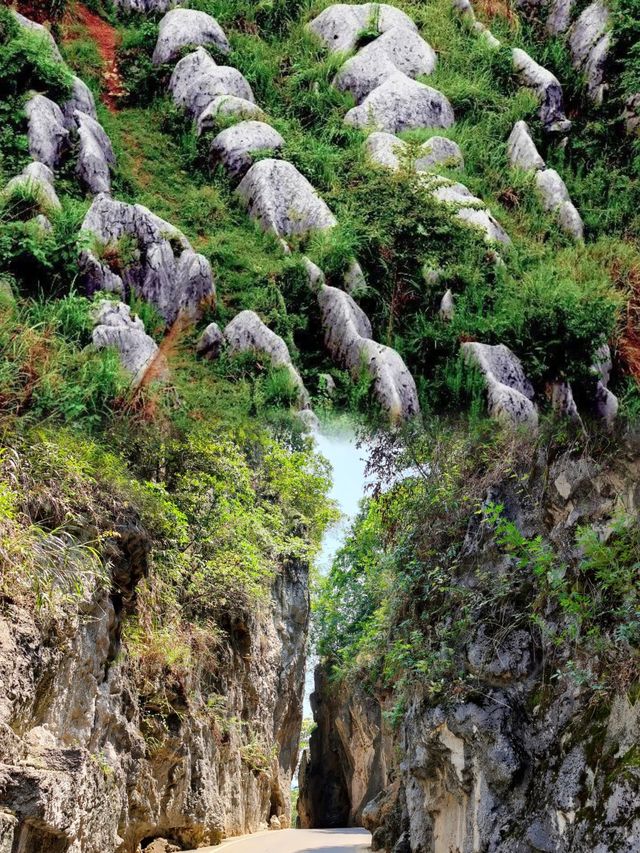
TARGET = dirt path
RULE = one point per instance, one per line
(106, 38)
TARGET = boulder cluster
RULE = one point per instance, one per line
(282, 201)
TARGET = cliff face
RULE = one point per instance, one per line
(94, 759)
(525, 760)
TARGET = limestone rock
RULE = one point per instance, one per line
(136, 251)
(37, 178)
(509, 392)
(401, 103)
(282, 200)
(605, 402)
(225, 106)
(390, 151)
(211, 342)
(197, 80)
(234, 146)
(631, 114)
(161, 845)
(521, 149)
(184, 27)
(81, 99)
(439, 151)
(447, 306)
(315, 276)
(146, 6)
(339, 26)
(95, 155)
(41, 31)
(547, 89)
(472, 211)
(399, 49)
(555, 197)
(559, 17)
(347, 333)
(354, 280)
(486, 34)
(589, 42)
(386, 150)
(48, 137)
(247, 333)
(115, 327)
(562, 401)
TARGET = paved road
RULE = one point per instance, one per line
(297, 841)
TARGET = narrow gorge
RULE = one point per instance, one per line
(320, 374)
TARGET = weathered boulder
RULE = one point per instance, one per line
(41, 31)
(95, 154)
(247, 333)
(115, 327)
(631, 114)
(509, 392)
(562, 401)
(282, 200)
(399, 49)
(401, 103)
(48, 137)
(197, 80)
(555, 197)
(184, 27)
(605, 402)
(135, 251)
(235, 146)
(447, 306)
(354, 279)
(37, 179)
(486, 34)
(589, 42)
(547, 89)
(225, 106)
(389, 151)
(521, 149)
(81, 99)
(211, 341)
(347, 334)
(339, 26)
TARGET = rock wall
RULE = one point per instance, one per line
(522, 762)
(96, 759)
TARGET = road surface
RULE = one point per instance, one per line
(297, 841)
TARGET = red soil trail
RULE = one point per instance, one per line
(106, 38)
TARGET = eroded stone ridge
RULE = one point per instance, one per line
(47, 134)
(348, 338)
(135, 251)
(509, 392)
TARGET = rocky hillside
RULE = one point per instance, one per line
(221, 223)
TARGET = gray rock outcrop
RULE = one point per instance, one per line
(187, 27)
(339, 26)
(226, 106)
(47, 135)
(401, 103)
(390, 151)
(605, 402)
(559, 16)
(398, 49)
(197, 79)
(282, 200)
(509, 392)
(247, 333)
(589, 42)
(547, 89)
(115, 327)
(37, 179)
(146, 6)
(135, 251)
(210, 343)
(347, 334)
(235, 146)
(81, 99)
(470, 210)
(95, 155)
(40, 31)
(555, 198)
(521, 149)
